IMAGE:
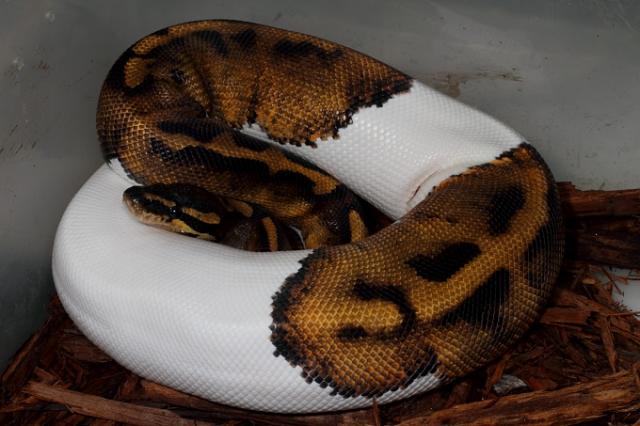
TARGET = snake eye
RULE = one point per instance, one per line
(173, 212)
(178, 76)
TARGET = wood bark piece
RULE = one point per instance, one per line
(602, 226)
(579, 203)
(104, 408)
(572, 405)
(608, 342)
(614, 248)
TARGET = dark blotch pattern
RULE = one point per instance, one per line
(246, 39)
(382, 91)
(442, 266)
(482, 308)
(161, 32)
(197, 156)
(111, 138)
(201, 129)
(283, 181)
(352, 332)
(213, 38)
(503, 206)
(116, 74)
(186, 195)
(428, 366)
(248, 142)
(293, 50)
(161, 149)
(393, 294)
(282, 300)
(547, 240)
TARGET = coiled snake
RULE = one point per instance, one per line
(226, 125)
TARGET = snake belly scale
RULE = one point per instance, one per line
(220, 123)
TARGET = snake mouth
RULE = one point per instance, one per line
(148, 211)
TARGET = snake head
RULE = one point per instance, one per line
(179, 208)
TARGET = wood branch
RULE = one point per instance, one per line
(600, 243)
(579, 203)
(602, 226)
(572, 405)
(104, 408)
(562, 315)
(614, 248)
(608, 342)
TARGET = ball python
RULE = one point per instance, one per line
(218, 125)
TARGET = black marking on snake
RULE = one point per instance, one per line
(482, 308)
(390, 293)
(198, 225)
(248, 142)
(161, 32)
(167, 49)
(540, 242)
(201, 129)
(296, 50)
(352, 332)
(110, 139)
(252, 115)
(197, 39)
(198, 156)
(116, 76)
(537, 270)
(283, 183)
(178, 76)
(382, 94)
(185, 195)
(246, 39)
(263, 236)
(503, 205)
(381, 91)
(429, 365)
(303, 162)
(213, 38)
(282, 301)
(303, 184)
(549, 239)
(443, 265)
(160, 149)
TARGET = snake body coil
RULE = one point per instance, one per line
(221, 123)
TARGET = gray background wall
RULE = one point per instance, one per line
(564, 73)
